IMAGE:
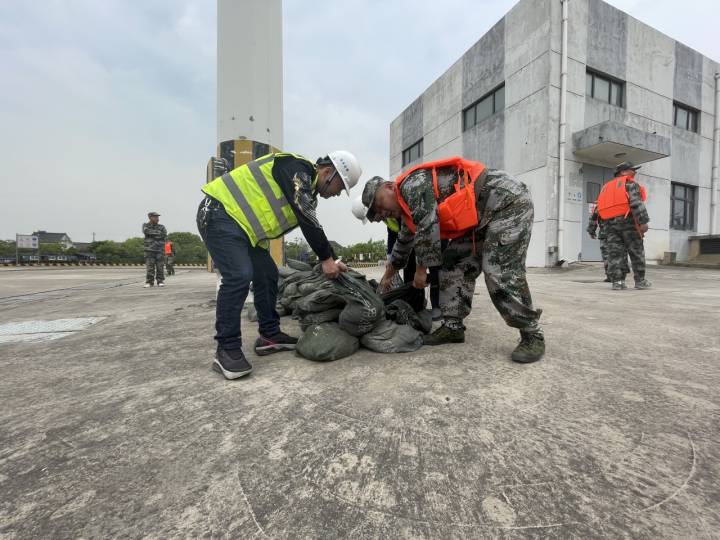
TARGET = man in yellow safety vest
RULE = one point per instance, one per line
(242, 211)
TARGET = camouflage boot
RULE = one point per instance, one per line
(643, 284)
(530, 349)
(445, 334)
(618, 285)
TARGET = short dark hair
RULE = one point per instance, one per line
(324, 161)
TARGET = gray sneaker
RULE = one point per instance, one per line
(643, 284)
(436, 314)
(618, 285)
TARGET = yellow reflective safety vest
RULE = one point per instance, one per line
(392, 224)
(252, 197)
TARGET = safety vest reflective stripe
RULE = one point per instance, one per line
(244, 205)
(276, 203)
(392, 224)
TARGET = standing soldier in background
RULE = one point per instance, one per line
(621, 208)
(155, 235)
(596, 230)
(170, 258)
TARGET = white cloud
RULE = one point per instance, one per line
(108, 108)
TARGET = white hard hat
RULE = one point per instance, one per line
(347, 166)
(359, 210)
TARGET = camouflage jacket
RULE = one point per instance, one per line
(637, 206)
(155, 236)
(498, 191)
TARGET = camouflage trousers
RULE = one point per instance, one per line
(501, 257)
(623, 240)
(602, 236)
(170, 264)
(154, 262)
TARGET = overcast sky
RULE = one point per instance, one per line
(107, 107)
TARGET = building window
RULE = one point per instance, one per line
(682, 210)
(685, 117)
(412, 153)
(485, 107)
(604, 88)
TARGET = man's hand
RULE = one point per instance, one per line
(332, 269)
(420, 279)
(643, 228)
(390, 271)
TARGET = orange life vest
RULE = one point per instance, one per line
(168, 248)
(457, 213)
(613, 200)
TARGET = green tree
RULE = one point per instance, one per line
(372, 250)
(189, 248)
(108, 251)
(297, 249)
(51, 249)
(133, 248)
(7, 248)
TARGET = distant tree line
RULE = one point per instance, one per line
(189, 248)
(370, 251)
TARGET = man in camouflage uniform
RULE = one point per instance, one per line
(155, 235)
(625, 235)
(497, 247)
(596, 230)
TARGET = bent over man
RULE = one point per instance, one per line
(487, 216)
(245, 208)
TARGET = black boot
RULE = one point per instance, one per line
(530, 349)
(445, 334)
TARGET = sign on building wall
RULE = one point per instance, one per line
(26, 241)
(574, 195)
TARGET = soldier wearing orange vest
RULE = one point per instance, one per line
(621, 208)
(487, 217)
(169, 258)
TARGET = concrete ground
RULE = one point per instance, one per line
(122, 429)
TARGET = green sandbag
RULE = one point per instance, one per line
(390, 337)
(298, 265)
(310, 319)
(325, 342)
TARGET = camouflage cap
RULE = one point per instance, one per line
(626, 165)
(150, 214)
(369, 191)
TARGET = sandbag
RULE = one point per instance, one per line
(298, 265)
(390, 337)
(402, 313)
(408, 293)
(317, 301)
(325, 342)
(364, 309)
(286, 272)
(310, 319)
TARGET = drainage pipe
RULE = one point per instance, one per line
(715, 160)
(562, 134)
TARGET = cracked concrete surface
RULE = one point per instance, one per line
(122, 429)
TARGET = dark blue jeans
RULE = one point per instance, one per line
(239, 263)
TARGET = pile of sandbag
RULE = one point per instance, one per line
(339, 315)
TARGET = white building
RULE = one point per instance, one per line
(632, 94)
